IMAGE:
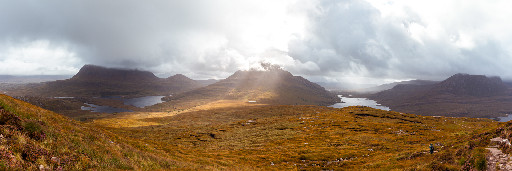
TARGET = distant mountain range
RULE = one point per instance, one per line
(391, 85)
(274, 86)
(459, 95)
(94, 80)
(31, 78)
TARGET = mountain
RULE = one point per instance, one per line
(36, 139)
(94, 80)
(98, 73)
(344, 86)
(391, 85)
(472, 85)
(207, 82)
(274, 86)
(12, 79)
(459, 95)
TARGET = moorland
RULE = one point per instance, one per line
(252, 120)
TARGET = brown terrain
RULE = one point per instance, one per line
(273, 86)
(461, 95)
(252, 120)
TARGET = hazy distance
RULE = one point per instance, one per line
(363, 42)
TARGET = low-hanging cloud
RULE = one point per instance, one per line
(355, 38)
(325, 40)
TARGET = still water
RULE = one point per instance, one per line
(143, 101)
(505, 119)
(103, 109)
(140, 102)
(347, 101)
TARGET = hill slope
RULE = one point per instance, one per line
(100, 81)
(98, 73)
(459, 95)
(34, 138)
(471, 85)
(247, 136)
(272, 87)
(239, 137)
(391, 85)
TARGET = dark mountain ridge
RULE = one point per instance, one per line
(274, 86)
(388, 86)
(99, 73)
(472, 85)
(94, 80)
(459, 95)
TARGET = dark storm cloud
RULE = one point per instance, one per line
(322, 39)
(353, 37)
(104, 32)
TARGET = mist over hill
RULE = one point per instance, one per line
(274, 86)
(94, 80)
(23, 79)
(100, 74)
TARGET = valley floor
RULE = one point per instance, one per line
(239, 135)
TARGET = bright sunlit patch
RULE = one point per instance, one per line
(38, 57)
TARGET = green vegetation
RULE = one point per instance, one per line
(311, 137)
(33, 138)
(239, 135)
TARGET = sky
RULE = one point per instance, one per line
(372, 41)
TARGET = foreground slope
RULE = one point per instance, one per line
(236, 135)
(460, 95)
(34, 138)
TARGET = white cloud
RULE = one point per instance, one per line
(383, 40)
(38, 57)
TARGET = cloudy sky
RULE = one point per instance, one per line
(323, 40)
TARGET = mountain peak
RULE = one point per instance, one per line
(99, 73)
(474, 85)
(275, 86)
(181, 78)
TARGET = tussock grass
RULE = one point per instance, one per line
(235, 135)
(310, 137)
(34, 138)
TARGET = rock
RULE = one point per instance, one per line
(55, 159)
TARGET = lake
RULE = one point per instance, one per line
(348, 101)
(103, 109)
(140, 102)
(505, 119)
(143, 101)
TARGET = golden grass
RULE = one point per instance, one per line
(237, 135)
(35, 138)
(136, 119)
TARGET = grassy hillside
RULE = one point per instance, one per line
(32, 138)
(234, 135)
